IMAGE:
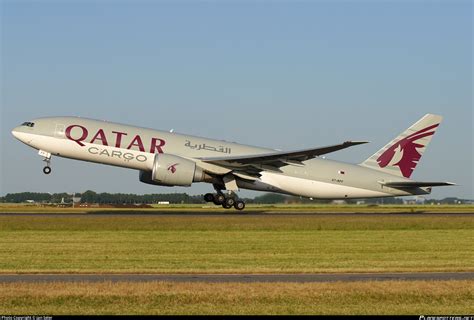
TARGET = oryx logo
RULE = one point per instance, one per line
(172, 167)
(404, 153)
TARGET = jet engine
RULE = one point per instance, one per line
(170, 170)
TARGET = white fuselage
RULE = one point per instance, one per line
(134, 148)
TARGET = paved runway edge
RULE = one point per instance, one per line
(246, 278)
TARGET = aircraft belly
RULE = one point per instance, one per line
(315, 189)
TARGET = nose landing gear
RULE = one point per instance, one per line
(47, 170)
(47, 159)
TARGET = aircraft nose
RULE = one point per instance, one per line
(15, 132)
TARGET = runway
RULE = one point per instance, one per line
(243, 278)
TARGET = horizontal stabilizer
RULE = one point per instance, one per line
(416, 184)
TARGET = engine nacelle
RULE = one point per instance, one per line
(170, 170)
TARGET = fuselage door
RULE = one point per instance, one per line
(59, 131)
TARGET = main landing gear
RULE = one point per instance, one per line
(227, 202)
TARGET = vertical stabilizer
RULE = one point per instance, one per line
(401, 155)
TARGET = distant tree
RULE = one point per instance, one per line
(24, 196)
(89, 197)
(270, 198)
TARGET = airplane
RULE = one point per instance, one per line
(166, 158)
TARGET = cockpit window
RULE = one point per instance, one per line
(28, 124)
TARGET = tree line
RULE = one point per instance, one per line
(101, 198)
(90, 196)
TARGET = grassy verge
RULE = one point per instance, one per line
(236, 244)
(391, 297)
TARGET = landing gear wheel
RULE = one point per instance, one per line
(225, 206)
(229, 202)
(239, 205)
(219, 199)
(47, 170)
(209, 197)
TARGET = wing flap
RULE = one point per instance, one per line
(246, 176)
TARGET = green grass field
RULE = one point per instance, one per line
(236, 243)
(261, 243)
(391, 297)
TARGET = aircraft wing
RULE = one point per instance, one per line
(274, 160)
(416, 184)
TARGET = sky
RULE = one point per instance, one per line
(279, 74)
